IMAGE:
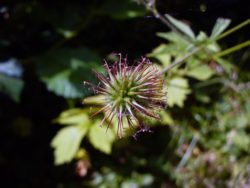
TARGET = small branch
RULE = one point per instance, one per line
(236, 87)
(188, 153)
(181, 60)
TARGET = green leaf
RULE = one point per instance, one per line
(73, 116)
(11, 87)
(220, 25)
(101, 139)
(174, 38)
(166, 118)
(169, 49)
(177, 91)
(161, 54)
(61, 85)
(184, 28)
(199, 70)
(64, 70)
(164, 52)
(201, 37)
(67, 141)
(242, 140)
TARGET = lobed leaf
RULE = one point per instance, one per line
(101, 139)
(67, 141)
(199, 70)
(177, 91)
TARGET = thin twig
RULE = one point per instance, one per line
(188, 153)
(152, 8)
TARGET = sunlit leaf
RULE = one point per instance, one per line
(184, 28)
(101, 139)
(220, 25)
(166, 118)
(73, 116)
(177, 91)
(67, 141)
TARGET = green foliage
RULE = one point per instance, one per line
(101, 140)
(199, 70)
(203, 138)
(184, 28)
(219, 27)
(177, 91)
(68, 140)
(227, 132)
(11, 87)
(65, 75)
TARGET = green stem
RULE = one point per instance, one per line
(230, 31)
(233, 49)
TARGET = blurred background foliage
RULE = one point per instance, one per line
(47, 138)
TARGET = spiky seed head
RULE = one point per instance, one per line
(130, 92)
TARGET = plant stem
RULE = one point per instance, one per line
(152, 8)
(233, 49)
(181, 60)
(164, 20)
(230, 31)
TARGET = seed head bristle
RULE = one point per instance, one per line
(130, 92)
